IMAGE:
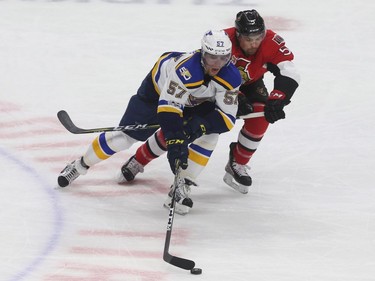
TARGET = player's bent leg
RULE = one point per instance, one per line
(199, 154)
(106, 145)
(102, 147)
(148, 151)
(240, 153)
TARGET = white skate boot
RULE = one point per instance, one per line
(183, 202)
(71, 172)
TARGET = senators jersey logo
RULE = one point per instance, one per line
(243, 66)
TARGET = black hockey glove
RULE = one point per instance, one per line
(244, 106)
(195, 127)
(177, 147)
(274, 108)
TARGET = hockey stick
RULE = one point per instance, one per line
(173, 260)
(252, 115)
(67, 122)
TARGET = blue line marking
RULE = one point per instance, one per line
(58, 223)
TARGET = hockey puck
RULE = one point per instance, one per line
(196, 271)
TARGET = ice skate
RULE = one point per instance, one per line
(71, 172)
(183, 203)
(236, 175)
(129, 170)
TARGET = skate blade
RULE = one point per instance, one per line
(229, 180)
(57, 187)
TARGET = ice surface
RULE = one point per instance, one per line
(310, 214)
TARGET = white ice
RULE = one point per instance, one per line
(310, 214)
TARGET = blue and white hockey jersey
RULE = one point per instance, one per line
(180, 81)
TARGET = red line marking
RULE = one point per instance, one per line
(60, 277)
(103, 273)
(115, 193)
(103, 166)
(30, 121)
(62, 159)
(33, 132)
(9, 107)
(179, 235)
(53, 145)
(116, 252)
(104, 232)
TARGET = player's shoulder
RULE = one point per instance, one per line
(189, 70)
(273, 46)
(272, 39)
(231, 32)
(229, 77)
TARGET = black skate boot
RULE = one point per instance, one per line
(236, 175)
(129, 170)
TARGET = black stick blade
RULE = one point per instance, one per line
(71, 127)
(67, 122)
(179, 262)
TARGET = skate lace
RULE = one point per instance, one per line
(134, 167)
(240, 169)
(183, 190)
(70, 173)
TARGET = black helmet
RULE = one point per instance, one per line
(249, 23)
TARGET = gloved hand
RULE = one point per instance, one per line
(195, 127)
(244, 106)
(177, 147)
(274, 108)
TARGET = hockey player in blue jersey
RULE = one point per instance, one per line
(194, 98)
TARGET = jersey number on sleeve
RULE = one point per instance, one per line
(175, 90)
(285, 51)
(230, 97)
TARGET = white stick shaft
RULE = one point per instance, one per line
(252, 115)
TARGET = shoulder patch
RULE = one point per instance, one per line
(190, 71)
(185, 73)
(278, 39)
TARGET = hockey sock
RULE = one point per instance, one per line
(250, 136)
(151, 149)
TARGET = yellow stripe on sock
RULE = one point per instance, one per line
(98, 151)
(197, 158)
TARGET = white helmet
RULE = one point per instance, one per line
(216, 42)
